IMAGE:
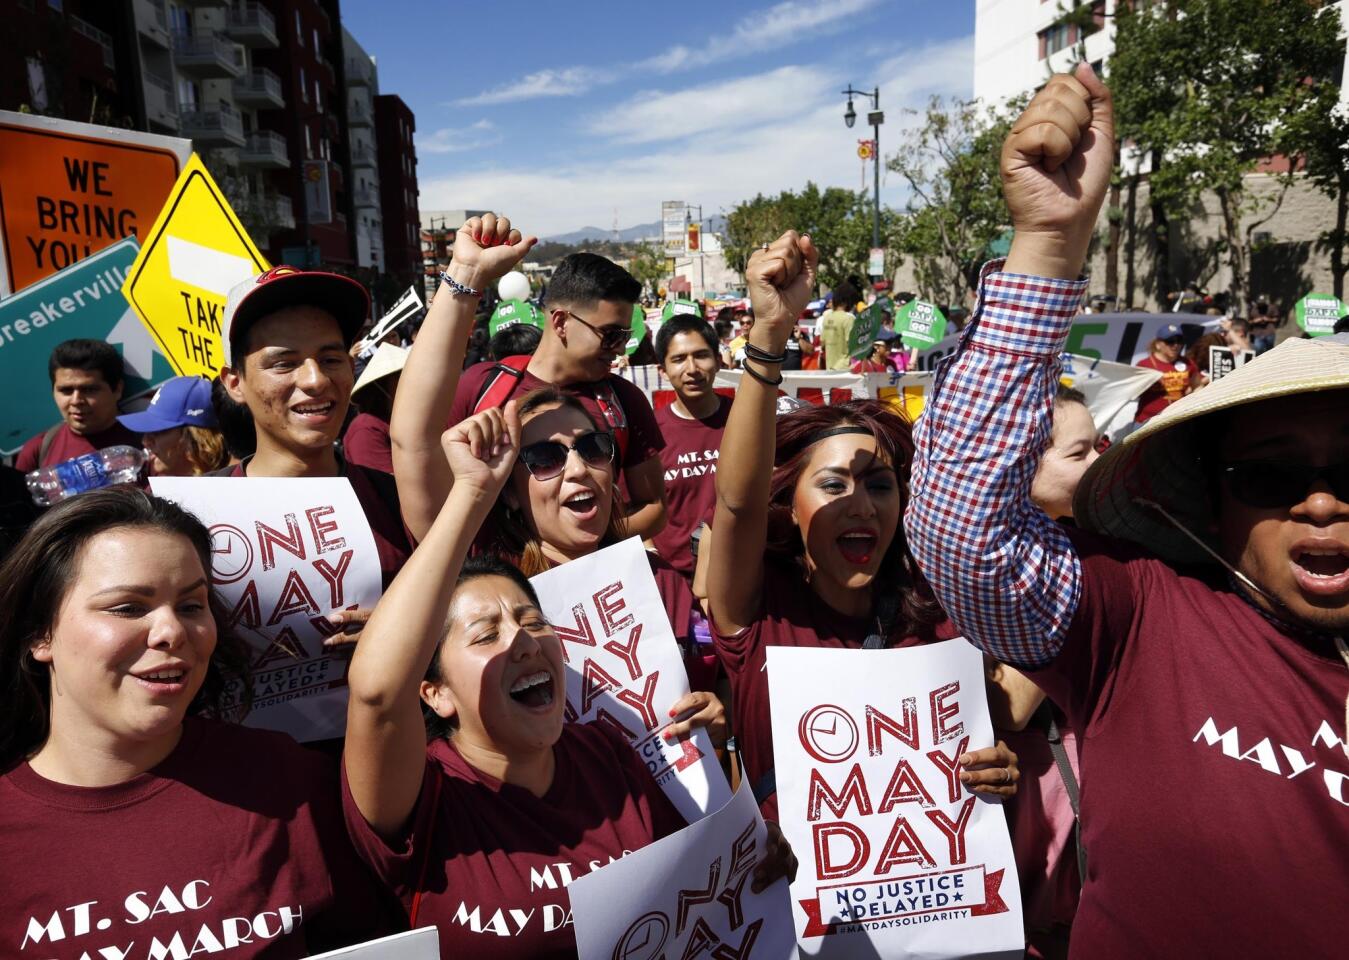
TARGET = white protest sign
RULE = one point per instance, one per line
(409, 305)
(898, 858)
(285, 553)
(687, 895)
(420, 944)
(1110, 388)
(624, 667)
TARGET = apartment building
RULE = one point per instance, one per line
(362, 76)
(397, 164)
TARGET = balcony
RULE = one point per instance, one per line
(95, 36)
(207, 55)
(265, 149)
(160, 105)
(365, 197)
(360, 72)
(359, 114)
(218, 127)
(253, 25)
(260, 89)
(362, 155)
(153, 23)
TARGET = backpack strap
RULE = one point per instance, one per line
(1044, 718)
(615, 417)
(48, 439)
(497, 388)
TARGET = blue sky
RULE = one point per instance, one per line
(563, 115)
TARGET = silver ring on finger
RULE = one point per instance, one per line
(763, 246)
(1006, 775)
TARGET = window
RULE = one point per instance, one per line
(308, 144)
(299, 29)
(188, 97)
(318, 94)
(1055, 38)
(317, 46)
(180, 21)
(304, 85)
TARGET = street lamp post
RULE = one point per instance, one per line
(875, 118)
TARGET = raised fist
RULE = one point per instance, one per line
(781, 281)
(1055, 168)
(486, 248)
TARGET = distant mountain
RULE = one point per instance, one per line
(643, 231)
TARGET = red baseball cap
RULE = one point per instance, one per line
(285, 286)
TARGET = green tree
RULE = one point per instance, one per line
(1210, 88)
(647, 265)
(955, 209)
(1322, 133)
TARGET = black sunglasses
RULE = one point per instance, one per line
(1175, 341)
(548, 458)
(1277, 483)
(611, 338)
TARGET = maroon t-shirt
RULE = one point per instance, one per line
(1215, 789)
(492, 861)
(644, 436)
(67, 444)
(791, 616)
(233, 846)
(367, 444)
(1166, 391)
(378, 497)
(690, 464)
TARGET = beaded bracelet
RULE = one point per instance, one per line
(458, 287)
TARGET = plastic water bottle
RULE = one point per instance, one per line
(102, 468)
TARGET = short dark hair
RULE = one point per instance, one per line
(1069, 395)
(582, 279)
(234, 421)
(684, 323)
(93, 355)
(514, 341)
(34, 580)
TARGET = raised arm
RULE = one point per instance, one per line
(1004, 572)
(780, 280)
(485, 248)
(385, 753)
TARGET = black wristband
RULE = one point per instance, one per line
(761, 378)
(763, 356)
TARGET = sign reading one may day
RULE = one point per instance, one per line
(82, 301)
(69, 189)
(285, 553)
(897, 857)
(688, 895)
(624, 667)
(195, 252)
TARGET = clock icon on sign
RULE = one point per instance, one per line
(644, 939)
(828, 733)
(231, 554)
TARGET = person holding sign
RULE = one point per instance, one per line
(1205, 662)
(122, 788)
(481, 831)
(804, 545)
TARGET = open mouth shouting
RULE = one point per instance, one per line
(1320, 566)
(534, 691)
(858, 545)
(583, 504)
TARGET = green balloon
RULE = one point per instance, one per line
(510, 312)
(638, 329)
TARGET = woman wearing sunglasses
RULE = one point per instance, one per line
(481, 830)
(1195, 629)
(805, 548)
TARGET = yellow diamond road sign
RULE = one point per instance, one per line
(194, 253)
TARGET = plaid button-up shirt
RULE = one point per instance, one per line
(1005, 573)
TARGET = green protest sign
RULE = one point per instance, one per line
(638, 328)
(510, 312)
(83, 301)
(674, 308)
(920, 324)
(866, 327)
(1317, 313)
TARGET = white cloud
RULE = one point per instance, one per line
(567, 82)
(459, 139)
(712, 108)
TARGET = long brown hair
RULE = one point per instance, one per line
(515, 538)
(205, 449)
(34, 579)
(903, 599)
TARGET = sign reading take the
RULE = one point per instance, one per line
(68, 189)
(194, 253)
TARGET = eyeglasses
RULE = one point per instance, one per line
(548, 458)
(1277, 483)
(1175, 342)
(611, 338)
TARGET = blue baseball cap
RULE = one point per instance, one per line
(180, 402)
(1170, 332)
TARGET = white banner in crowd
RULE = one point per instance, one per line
(687, 895)
(420, 944)
(624, 667)
(1111, 389)
(285, 553)
(898, 858)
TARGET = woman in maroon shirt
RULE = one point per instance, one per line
(482, 830)
(174, 832)
(805, 547)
